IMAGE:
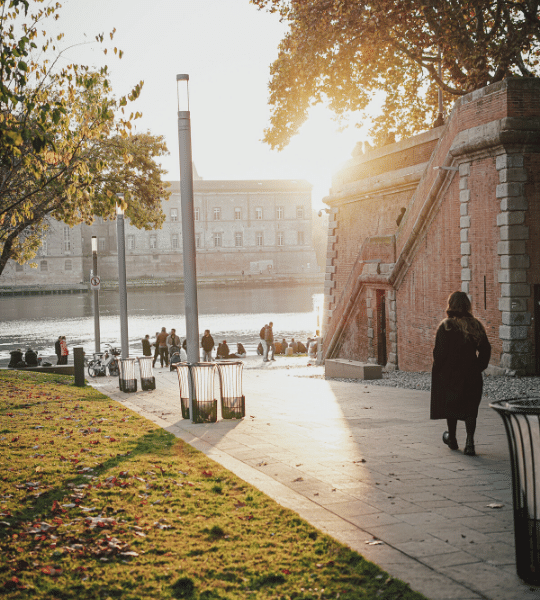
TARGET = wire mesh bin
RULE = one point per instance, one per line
(200, 376)
(521, 419)
(182, 369)
(128, 381)
(148, 381)
(233, 402)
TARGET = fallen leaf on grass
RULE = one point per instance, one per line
(53, 571)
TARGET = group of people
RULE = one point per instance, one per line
(268, 347)
(61, 350)
(167, 345)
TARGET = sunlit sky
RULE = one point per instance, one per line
(226, 47)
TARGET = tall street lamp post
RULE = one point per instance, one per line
(122, 287)
(188, 220)
(97, 338)
(188, 228)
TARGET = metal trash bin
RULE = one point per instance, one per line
(200, 376)
(148, 381)
(233, 402)
(128, 381)
(521, 419)
(182, 370)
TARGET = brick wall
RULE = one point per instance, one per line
(472, 223)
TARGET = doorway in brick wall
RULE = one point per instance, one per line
(381, 328)
(536, 316)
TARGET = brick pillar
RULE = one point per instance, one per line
(465, 226)
(514, 262)
(329, 282)
(392, 363)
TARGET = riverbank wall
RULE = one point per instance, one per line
(247, 281)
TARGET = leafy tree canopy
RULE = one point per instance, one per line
(343, 52)
(66, 147)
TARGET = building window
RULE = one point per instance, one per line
(280, 212)
(280, 239)
(67, 239)
(237, 214)
(217, 213)
(131, 242)
(258, 213)
(19, 267)
(68, 265)
(299, 212)
(260, 239)
(196, 213)
(175, 243)
(101, 244)
(43, 266)
(238, 239)
(198, 240)
(217, 240)
(300, 238)
(174, 215)
(153, 242)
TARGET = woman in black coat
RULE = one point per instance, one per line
(462, 351)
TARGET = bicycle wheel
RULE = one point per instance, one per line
(93, 369)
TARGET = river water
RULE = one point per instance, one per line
(233, 314)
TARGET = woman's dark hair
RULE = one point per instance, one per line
(459, 309)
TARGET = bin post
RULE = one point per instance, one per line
(197, 391)
(233, 402)
(521, 418)
(127, 379)
(78, 364)
(148, 381)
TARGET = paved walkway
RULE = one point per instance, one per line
(364, 463)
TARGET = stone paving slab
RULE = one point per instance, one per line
(362, 462)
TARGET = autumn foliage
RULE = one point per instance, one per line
(343, 52)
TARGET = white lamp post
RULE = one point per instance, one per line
(122, 287)
(188, 220)
(97, 338)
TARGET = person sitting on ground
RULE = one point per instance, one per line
(294, 346)
(30, 358)
(223, 350)
(240, 351)
(301, 349)
(284, 346)
(260, 350)
(278, 348)
(16, 357)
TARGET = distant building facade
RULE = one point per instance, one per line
(241, 227)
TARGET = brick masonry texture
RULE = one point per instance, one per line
(473, 225)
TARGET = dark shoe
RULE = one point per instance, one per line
(450, 442)
(469, 448)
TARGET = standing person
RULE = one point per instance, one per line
(172, 340)
(262, 335)
(156, 350)
(269, 339)
(462, 351)
(64, 350)
(161, 341)
(58, 350)
(207, 344)
(146, 346)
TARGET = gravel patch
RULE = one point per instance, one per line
(495, 388)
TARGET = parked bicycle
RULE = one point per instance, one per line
(105, 361)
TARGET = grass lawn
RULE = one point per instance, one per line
(98, 502)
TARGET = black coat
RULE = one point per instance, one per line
(456, 376)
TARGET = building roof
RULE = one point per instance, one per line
(245, 185)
